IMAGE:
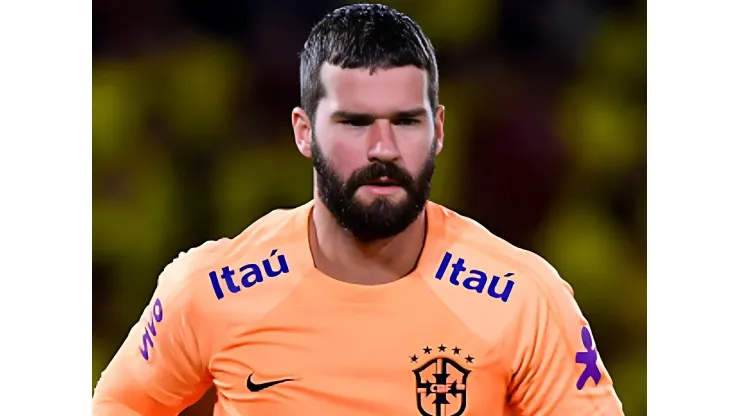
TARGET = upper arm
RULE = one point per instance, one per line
(159, 369)
(558, 370)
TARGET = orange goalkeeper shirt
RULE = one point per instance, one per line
(479, 328)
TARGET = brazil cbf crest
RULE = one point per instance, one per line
(441, 381)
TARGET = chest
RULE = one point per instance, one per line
(360, 361)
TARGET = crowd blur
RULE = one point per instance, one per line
(545, 143)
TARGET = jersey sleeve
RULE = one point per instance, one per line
(557, 370)
(160, 368)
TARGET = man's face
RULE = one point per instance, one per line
(373, 148)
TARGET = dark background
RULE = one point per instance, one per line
(545, 143)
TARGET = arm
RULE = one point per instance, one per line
(558, 371)
(159, 369)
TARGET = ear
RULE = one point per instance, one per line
(439, 130)
(302, 131)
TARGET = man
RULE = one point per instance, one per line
(368, 300)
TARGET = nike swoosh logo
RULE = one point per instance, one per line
(261, 386)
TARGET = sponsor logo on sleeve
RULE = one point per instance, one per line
(251, 275)
(474, 280)
(588, 358)
(150, 330)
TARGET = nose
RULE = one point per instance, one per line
(382, 142)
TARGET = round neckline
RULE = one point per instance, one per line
(337, 288)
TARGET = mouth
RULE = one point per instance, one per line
(383, 181)
(382, 186)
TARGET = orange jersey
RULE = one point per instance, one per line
(479, 328)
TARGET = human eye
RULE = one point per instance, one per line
(355, 122)
(406, 122)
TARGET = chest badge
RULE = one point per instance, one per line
(441, 381)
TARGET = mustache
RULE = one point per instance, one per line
(375, 171)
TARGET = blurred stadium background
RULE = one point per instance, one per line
(545, 143)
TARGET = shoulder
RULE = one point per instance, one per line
(490, 268)
(199, 271)
(278, 227)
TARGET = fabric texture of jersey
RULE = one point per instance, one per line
(479, 328)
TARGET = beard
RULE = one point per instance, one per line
(382, 218)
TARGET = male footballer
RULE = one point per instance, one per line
(369, 299)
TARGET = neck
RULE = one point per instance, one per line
(339, 255)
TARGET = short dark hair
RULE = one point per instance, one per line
(368, 36)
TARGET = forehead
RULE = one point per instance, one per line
(385, 90)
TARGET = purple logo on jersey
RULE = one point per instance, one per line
(150, 330)
(588, 358)
(253, 274)
(474, 280)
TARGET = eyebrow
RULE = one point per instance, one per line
(412, 113)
